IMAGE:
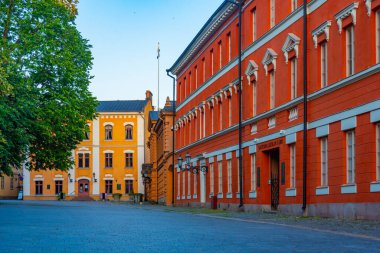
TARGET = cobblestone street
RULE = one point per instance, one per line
(121, 227)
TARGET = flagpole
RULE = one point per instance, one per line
(158, 76)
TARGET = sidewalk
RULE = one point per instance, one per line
(355, 228)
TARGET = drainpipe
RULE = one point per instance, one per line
(174, 104)
(304, 197)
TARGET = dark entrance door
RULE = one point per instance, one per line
(83, 187)
(274, 162)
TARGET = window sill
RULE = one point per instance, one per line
(188, 196)
(220, 195)
(348, 188)
(291, 192)
(238, 195)
(229, 195)
(178, 197)
(195, 196)
(252, 194)
(322, 190)
(183, 197)
(375, 186)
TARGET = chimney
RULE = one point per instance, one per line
(167, 104)
(148, 95)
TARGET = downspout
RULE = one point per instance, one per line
(141, 114)
(304, 190)
(174, 105)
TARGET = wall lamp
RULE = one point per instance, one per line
(93, 176)
(70, 179)
(189, 167)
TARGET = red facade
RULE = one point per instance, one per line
(343, 108)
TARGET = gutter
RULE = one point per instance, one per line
(304, 183)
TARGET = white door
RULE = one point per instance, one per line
(203, 186)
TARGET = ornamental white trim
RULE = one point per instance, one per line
(293, 113)
(269, 57)
(108, 151)
(323, 28)
(251, 70)
(272, 122)
(108, 123)
(128, 151)
(129, 123)
(291, 43)
(368, 4)
(348, 11)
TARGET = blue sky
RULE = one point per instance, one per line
(124, 35)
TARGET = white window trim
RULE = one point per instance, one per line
(348, 134)
(253, 172)
(377, 27)
(324, 54)
(272, 10)
(272, 89)
(220, 177)
(292, 177)
(350, 31)
(324, 147)
(229, 176)
(212, 180)
(293, 78)
(378, 151)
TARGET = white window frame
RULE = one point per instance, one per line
(212, 187)
(220, 177)
(229, 176)
(188, 183)
(195, 185)
(212, 119)
(350, 156)
(204, 69)
(254, 24)
(220, 54)
(179, 185)
(292, 177)
(324, 161)
(350, 50)
(293, 78)
(212, 62)
(229, 111)
(196, 77)
(294, 4)
(378, 151)
(324, 64)
(220, 116)
(229, 47)
(254, 97)
(183, 184)
(189, 131)
(272, 87)
(204, 124)
(253, 172)
(272, 8)
(378, 36)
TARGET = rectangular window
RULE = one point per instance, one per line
(204, 69)
(183, 184)
(188, 183)
(109, 186)
(80, 160)
(350, 157)
(178, 185)
(128, 186)
(324, 162)
(229, 47)
(86, 160)
(253, 172)
(254, 97)
(108, 130)
(179, 91)
(229, 174)
(229, 111)
(196, 77)
(220, 177)
(204, 124)
(378, 36)
(190, 123)
(378, 152)
(254, 25)
(350, 51)
(324, 64)
(2, 182)
(58, 187)
(195, 184)
(129, 160)
(220, 116)
(293, 78)
(238, 175)
(190, 84)
(272, 13)
(292, 166)
(212, 119)
(211, 178)
(294, 4)
(272, 89)
(185, 87)
(11, 183)
(108, 160)
(39, 187)
(220, 54)
(212, 61)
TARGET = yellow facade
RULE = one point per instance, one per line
(9, 185)
(92, 176)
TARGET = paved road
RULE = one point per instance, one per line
(112, 227)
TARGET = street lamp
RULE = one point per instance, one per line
(70, 179)
(93, 176)
(189, 167)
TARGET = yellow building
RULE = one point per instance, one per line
(10, 185)
(107, 162)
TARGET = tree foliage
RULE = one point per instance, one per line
(44, 77)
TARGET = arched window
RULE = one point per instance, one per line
(108, 132)
(128, 132)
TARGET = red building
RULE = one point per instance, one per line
(339, 174)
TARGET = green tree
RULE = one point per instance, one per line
(44, 78)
